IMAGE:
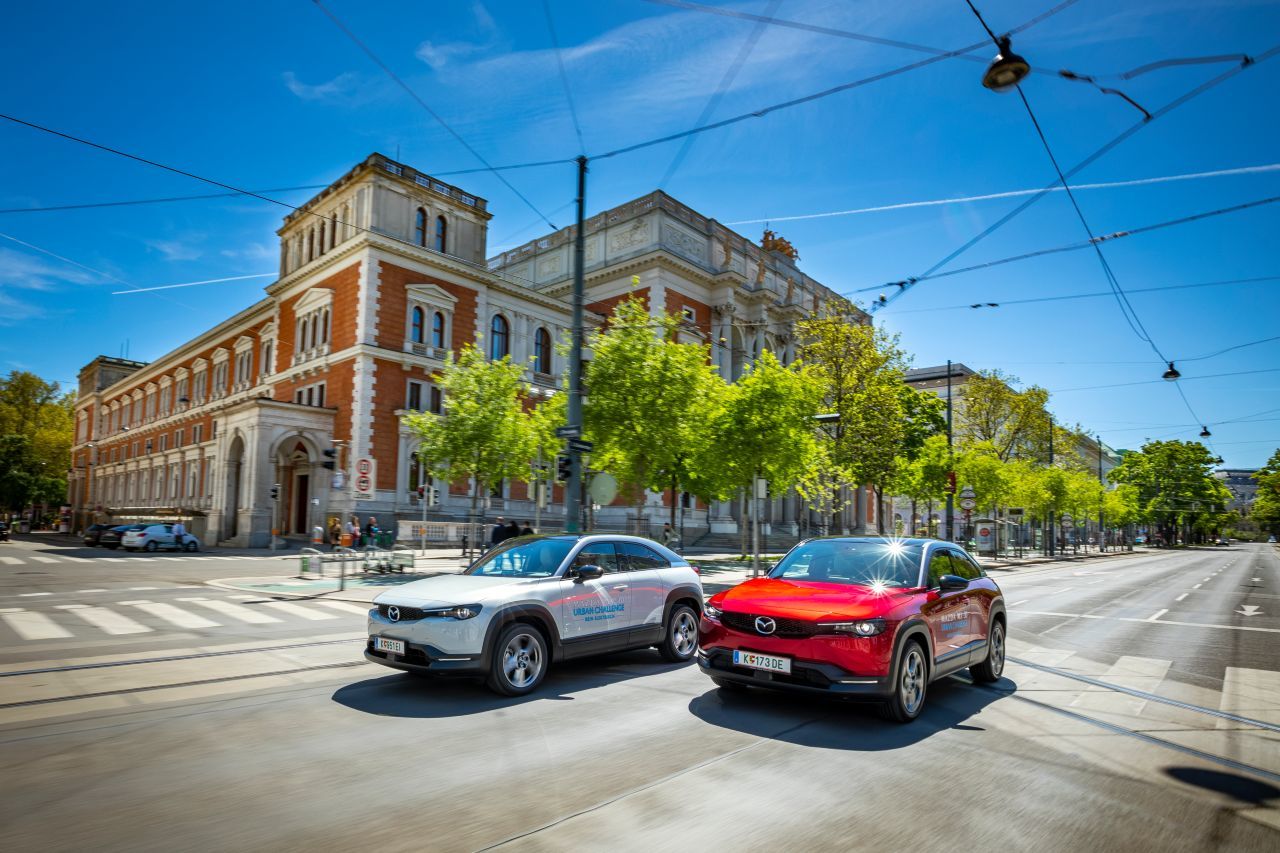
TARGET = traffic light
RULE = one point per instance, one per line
(951, 482)
(433, 496)
(330, 455)
(275, 492)
(564, 467)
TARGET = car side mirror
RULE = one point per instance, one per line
(951, 583)
(586, 573)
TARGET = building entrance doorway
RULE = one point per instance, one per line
(301, 502)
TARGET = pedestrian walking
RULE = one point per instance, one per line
(179, 534)
(513, 530)
(669, 537)
(498, 533)
(335, 533)
(371, 532)
(526, 530)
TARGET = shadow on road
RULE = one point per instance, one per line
(841, 724)
(408, 695)
(1242, 788)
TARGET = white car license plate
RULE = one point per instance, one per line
(382, 644)
(768, 663)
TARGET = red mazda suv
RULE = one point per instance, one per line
(866, 617)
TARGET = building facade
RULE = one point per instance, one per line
(382, 276)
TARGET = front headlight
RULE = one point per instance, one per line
(861, 628)
(459, 611)
(710, 611)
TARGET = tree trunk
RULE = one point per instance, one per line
(674, 500)
(743, 521)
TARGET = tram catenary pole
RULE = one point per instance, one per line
(573, 488)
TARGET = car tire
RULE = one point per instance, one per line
(729, 685)
(151, 547)
(910, 685)
(519, 662)
(191, 547)
(680, 635)
(989, 670)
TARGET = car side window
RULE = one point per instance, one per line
(639, 558)
(963, 566)
(602, 554)
(939, 565)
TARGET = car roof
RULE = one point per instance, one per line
(876, 537)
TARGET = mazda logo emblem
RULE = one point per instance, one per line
(765, 625)
(393, 613)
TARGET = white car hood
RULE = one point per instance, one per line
(457, 589)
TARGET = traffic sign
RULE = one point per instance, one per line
(1015, 510)
(968, 492)
(569, 432)
(968, 503)
(580, 446)
(364, 483)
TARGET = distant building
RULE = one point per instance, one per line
(1242, 485)
(382, 275)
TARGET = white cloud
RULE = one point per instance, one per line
(178, 250)
(437, 56)
(22, 271)
(251, 252)
(342, 86)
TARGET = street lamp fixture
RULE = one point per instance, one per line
(1007, 70)
(1204, 432)
(1172, 373)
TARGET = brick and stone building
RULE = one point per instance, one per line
(383, 275)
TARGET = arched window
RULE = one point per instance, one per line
(499, 337)
(437, 330)
(542, 351)
(417, 327)
(441, 228)
(420, 227)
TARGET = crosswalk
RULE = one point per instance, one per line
(29, 559)
(44, 620)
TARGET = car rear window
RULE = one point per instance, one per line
(876, 562)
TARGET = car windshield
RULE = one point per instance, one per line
(877, 563)
(523, 557)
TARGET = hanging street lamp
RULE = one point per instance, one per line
(1007, 70)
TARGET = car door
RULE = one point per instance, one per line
(595, 615)
(947, 614)
(977, 599)
(646, 569)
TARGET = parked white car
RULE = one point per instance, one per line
(155, 537)
(536, 600)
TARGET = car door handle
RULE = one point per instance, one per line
(621, 586)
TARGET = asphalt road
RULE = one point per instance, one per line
(1130, 719)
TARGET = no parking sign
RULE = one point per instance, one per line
(365, 482)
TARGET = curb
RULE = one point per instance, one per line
(228, 584)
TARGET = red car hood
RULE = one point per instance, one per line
(808, 600)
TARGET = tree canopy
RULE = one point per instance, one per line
(36, 427)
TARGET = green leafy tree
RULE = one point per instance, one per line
(1015, 423)
(923, 479)
(860, 369)
(1175, 486)
(764, 428)
(649, 400)
(484, 432)
(36, 421)
(1266, 505)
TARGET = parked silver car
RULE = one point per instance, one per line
(155, 537)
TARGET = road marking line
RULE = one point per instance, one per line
(1135, 673)
(32, 594)
(32, 626)
(1016, 603)
(173, 615)
(1161, 622)
(1207, 579)
(1197, 586)
(11, 561)
(1157, 615)
(346, 607)
(107, 620)
(143, 588)
(1179, 598)
(39, 559)
(235, 611)
(299, 611)
(1252, 692)
(78, 591)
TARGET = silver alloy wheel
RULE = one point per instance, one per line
(522, 660)
(911, 688)
(997, 650)
(684, 634)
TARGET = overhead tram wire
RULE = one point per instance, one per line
(426, 107)
(1094, 295)
(138, 201)
(730, 74)
(1071, 247)
(906, 284)
(564, 78)
(825, 93)
(235, 190)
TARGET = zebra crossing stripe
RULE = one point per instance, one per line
(298, 610)
(235, 611)
(10, 561)
(106, 619)
(32, 626)
(42, 559)
(345, 607)
(172, 615)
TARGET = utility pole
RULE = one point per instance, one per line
(1102, 497)
(573, 488)
(1052, 543)
(950, 462)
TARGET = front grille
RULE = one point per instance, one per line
(407, 614)
(746, 623)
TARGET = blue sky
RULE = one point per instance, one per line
(272, 95)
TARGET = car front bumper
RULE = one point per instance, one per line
(426, 659)
(805, 677)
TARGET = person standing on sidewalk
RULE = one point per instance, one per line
(179, 535)
(371, 532)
